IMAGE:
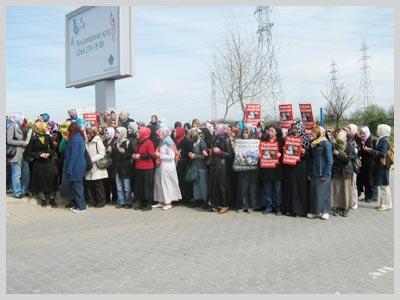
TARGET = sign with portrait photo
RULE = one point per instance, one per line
(292, 150)
(246, 154)
(269, 154)
(252, 113)
(307, 116)
(286, 115)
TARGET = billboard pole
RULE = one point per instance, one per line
(105, 95)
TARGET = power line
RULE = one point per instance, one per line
(366, 95)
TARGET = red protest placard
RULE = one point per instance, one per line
(252, 113)
(286, 115)
(307, 115)
(91, 118)
(269, 154)
(292, 150)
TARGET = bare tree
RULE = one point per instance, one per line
(240, 68)
(338, 101)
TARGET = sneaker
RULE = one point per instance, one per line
(325, 216)
(158, 205)
(98, 206)
(311, 216)
(266, 212)
(249, 211)
(79, 211)
(239, 211)
(354, 206)
(69, 205)
(383, 208)
(128, 206)
(344, 213)
(278, 213)
(167, 206)
(120, 205)
(72, 208)
(146, 208)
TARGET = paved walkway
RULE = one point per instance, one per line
(188, 250)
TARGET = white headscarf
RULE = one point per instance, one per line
(17, 119)
(367, 132)
(121, 134)
(383, 130)
(110, 133)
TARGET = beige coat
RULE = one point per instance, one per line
(96, 153)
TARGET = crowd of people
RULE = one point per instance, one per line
(143, 166)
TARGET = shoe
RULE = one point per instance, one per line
(128, 206)
(239, 211)
(278, 213)
(98, 206)
(249, 211)
(79, 211)
(383, 208)
(344, 213)
(146, 208)
(9, 191)
(69, 205)
(72, 208)
(204, 206)
(19, 196)
(311, 216)
(354, 206)
(223, 210)
(158, 205)
(167, 206)
(120, 205)
(44, 204)
(53, 203)
(266, 212)
(27, 194)
(325, 216)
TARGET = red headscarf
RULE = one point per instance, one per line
(144, 133)
(180, 135)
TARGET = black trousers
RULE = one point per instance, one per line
(96, 192)
(110, 187)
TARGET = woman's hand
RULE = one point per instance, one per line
(216, 150)
(121, 150)
(44, 155)
(136, 156)
(335, 152)
(191, 155)
(157, 154)
(279, 154)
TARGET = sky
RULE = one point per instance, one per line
(173, 46)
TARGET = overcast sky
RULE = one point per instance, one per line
(173, 44)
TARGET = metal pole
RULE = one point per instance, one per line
(321, 116)
(105, 95)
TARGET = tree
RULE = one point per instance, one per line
(239, 68)
(373, 116)
(338, 101)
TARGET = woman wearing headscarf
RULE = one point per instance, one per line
(320, 174)
(183, 146)
(95, 176)
(110, 186)
(219, 178)
(351, 130)
(132, 129)
(144, 155)
(39, 153)
(166, 185)
(272, 177)
(65, 184)
(15, 138)
(122, 154)
(246, 184)
(198, 157)
(154, 125)
(75, 165)
(342, 175)
(380, 171)
(365, 177)
(295, 201)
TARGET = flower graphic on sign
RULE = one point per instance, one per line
(79, 26)
(111, 59)
(112, 23)
(76, 28)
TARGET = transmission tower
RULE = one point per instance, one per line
(333, 75)
(213, 98)
(267, 50)
(366, 97)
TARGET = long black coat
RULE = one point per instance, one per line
(42, 169)
(122, 162)
(365, 177)
(185, 146)
(380, 173)
(219, 178)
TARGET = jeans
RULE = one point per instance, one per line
(77, 194)
(273, 195)
(20, 178)
(123, 190)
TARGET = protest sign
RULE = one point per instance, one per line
(252, 113)
(286, 115)
(307, 116)
(292, 150)
(246, 154)
(269, 154)
(91, 118)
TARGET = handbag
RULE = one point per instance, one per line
(356, 165)
(103, 163)
(192, 174)
(11, 151)
(89, 164)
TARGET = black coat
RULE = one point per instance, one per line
(275, 173)
(380, 173)
(122, 162)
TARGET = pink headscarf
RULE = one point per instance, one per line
(353, 128)
(221, 129)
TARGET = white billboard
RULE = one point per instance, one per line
(98, 44)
